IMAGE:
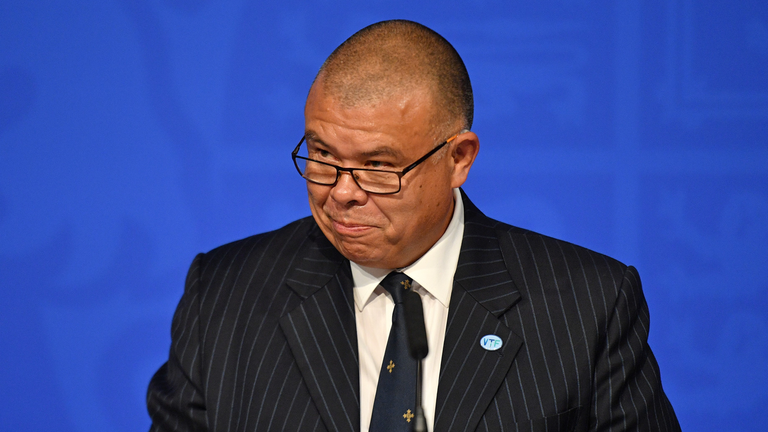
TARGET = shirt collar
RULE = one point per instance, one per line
(433, 271)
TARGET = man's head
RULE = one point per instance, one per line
(395, 57)
(383, 99)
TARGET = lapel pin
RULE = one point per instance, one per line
(491, 342)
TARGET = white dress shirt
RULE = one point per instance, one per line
(433, 280)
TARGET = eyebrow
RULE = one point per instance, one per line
(382, 151)
(309, 135)
(379, 151)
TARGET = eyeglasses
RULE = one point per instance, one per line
(370, 180)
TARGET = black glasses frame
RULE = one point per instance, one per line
(351, 171)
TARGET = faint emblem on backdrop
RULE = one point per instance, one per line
(716, 60)
(713, 272)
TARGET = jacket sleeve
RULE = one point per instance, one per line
(628, 394)
(175, 397)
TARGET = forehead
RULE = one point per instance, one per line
(398, 123)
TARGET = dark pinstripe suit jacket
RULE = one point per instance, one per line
(264, 339)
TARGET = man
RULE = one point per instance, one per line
(294, 329)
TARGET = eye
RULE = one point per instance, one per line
(322, 155)
(378, 164)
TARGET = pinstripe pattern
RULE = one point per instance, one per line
(237, 362)
(264, 339)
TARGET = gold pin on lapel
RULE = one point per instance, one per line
(408, 416)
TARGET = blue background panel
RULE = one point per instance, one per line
(136, 133)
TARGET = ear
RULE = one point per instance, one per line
(465, 148)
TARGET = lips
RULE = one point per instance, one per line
(350, 228)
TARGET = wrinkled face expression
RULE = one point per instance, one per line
(382, 231)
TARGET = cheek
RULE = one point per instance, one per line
(433, 201)
(317, 195)
(431, 193)
(317, 198)
(415, 213)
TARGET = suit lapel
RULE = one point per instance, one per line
(322, 336)
(321, 331)
(483, 291)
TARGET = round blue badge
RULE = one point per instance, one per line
(491, 342)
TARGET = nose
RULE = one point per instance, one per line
(347, 192)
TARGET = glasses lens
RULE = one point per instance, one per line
(378, 181)
(316, 172)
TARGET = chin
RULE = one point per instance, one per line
(361, 255)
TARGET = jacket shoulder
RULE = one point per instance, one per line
(287, 238)
(531, 255)
(520, 244)
(534, 244)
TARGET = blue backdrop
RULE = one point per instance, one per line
(136, 133)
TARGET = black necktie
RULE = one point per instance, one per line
(395, 402)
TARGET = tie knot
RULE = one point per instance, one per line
(397, 284)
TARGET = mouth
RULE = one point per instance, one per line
(351, 229)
